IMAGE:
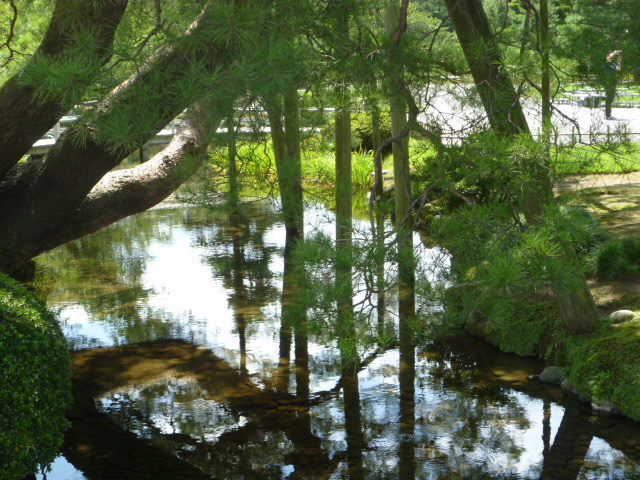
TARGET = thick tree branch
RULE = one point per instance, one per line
(41, 197)
(124, 192)
(24, 117)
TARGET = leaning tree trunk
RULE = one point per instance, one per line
(42, 201)
(506, 118)
(28, 109)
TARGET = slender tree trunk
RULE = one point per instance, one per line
(344, 212)
(378, 193)
(286, 146)
(545, 48)
(402, 189)
(506, 118)
(234, 191)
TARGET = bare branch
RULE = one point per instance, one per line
(7, 42)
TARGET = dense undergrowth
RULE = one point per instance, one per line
(35, 382)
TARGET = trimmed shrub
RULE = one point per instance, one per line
(518, 326)
(35, 382)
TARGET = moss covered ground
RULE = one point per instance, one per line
(604, 365)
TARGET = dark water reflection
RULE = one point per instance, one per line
(265, 399)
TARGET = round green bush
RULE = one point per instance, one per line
(35, 382)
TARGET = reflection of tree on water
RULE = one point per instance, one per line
(278, 428)
(103, 273)
(239, 240)
(267, 414)
(479, 376)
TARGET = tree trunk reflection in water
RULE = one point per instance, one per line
(407, 374)
(285, 133)
(546, 427)
(240, 291)
(570, 446)
(292, 319)
(378, 223)
(353, 420)
(239, 264)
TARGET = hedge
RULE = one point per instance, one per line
(35, 382)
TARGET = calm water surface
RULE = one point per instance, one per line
(175, 321)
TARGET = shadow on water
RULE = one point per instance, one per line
(195, 376)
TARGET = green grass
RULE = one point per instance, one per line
(584, 159)
(616, 259)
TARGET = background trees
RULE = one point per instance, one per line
(161, 58)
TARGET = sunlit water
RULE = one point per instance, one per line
(176, 273)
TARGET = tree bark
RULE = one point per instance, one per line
(26, 115)
(507, 119)
(402, 182)
(344, 224)
(38, 198)
(485, 62)
(284, 120)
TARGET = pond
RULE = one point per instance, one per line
(184, 369)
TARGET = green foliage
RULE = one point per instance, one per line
(35, 382)
(502, 270)
(592, 29)
(616, 259)
(603, 365)
(362, 129)
(318, 167)
(28, 30)
(483, 168)
(362, 171)
(518, 326)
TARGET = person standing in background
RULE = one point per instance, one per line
(610, 79)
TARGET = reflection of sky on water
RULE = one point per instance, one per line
(181, 271)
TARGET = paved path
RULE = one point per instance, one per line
(571, 120)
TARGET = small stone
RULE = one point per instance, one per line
(568, 387)
(554, 375)
(621, 316)
(606, 407)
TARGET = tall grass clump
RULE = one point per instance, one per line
(616, 259)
